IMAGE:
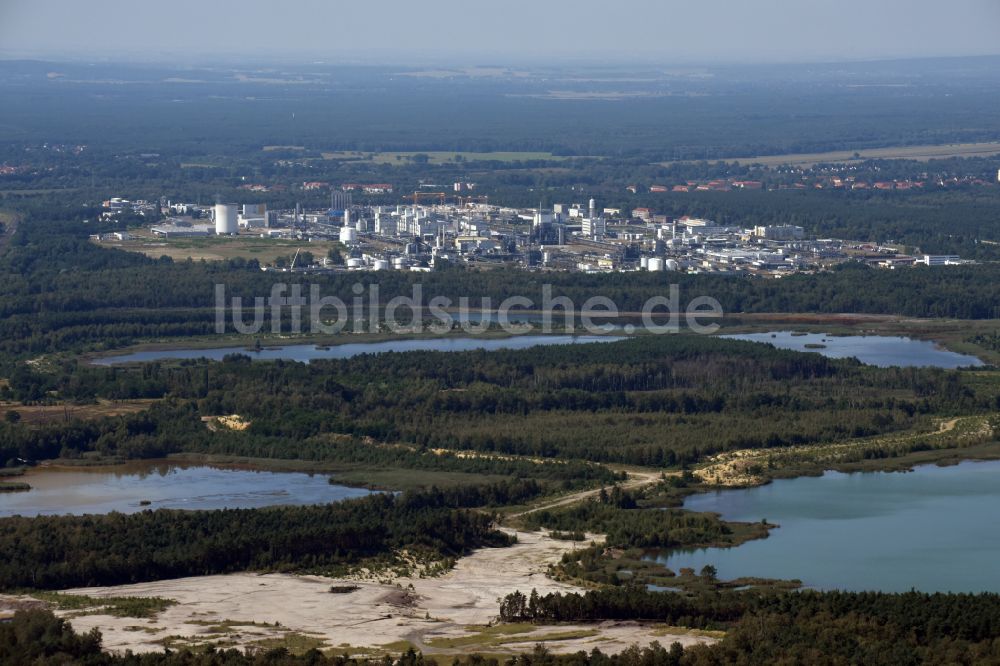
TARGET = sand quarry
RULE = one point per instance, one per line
(447, 614)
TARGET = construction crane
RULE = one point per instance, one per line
(417, 195)
(482, 198)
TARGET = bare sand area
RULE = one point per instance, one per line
(446, 614)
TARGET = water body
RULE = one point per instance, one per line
(933, 529)
(307, 353)
(883, 351)
(56, 491)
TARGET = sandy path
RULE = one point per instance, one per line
(374, 615)
(635, 480)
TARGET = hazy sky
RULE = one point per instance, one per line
(515, 30)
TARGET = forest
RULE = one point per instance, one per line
(806, 627)
(724, 111)
(664, 400)
(56, 552)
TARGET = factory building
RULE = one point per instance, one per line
(780, 233)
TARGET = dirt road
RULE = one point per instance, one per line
(636, 480)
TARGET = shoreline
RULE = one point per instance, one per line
(947, 334)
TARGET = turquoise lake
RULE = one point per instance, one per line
(933, 529)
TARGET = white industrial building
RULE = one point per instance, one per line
(780, 233)
(594, 227)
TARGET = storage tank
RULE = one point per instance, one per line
(644, 262)
(380, 265)
(355, 263)
(655, 264)
(399, 263)
(348, 235)
(672, 265)
(226, 221)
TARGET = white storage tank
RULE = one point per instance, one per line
(655, 264)
(399, 263)
(226, 219)
(672, 265)
(355, 263)
(380, 265)
(348, 235)
(644, 262)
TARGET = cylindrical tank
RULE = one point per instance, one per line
(546, 257)
(355, 263)
(672, 265)
(348, 235)
(226, 219)
(398, 263)
(643, 262)
(655, 264)
(380, 265)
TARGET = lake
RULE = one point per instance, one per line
(68, 490)
(883, 351)
(933, 529)
(307, 353)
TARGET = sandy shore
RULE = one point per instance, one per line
(432, 614)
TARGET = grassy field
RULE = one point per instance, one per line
(438, 157)
(349, 474)
(919, 153)
(220, 248)
(42, 414)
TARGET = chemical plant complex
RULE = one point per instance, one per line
(569, 237)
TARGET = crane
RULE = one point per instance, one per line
(483, 199)
(416, 196)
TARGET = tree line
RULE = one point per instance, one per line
(55, 552)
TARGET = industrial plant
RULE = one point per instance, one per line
(582, 237)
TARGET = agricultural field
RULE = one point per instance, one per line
(919, 153)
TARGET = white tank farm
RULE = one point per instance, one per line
(226, 219)
(655, 264)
